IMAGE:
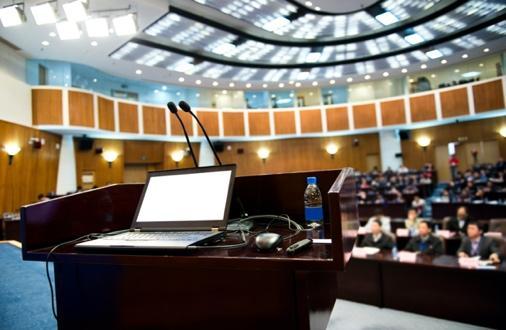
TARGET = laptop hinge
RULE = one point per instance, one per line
(213, 229)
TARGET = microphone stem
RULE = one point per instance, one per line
(207, 137)
(187, 140)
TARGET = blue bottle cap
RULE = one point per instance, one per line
(311, 180)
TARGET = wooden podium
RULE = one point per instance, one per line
(238, 288)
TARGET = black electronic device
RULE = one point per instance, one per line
(173, 108)
(299, 246)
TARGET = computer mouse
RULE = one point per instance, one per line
(267, 241)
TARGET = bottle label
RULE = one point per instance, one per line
(313, 213)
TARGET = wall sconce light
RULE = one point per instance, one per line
(424, 142)
(177, 156)
(502, 131)
(11, 150)
(332, 149)
(263, 153)
(110, 156)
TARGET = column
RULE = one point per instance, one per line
(390, 144)
(66, 181)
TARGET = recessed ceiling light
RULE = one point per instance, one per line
(433, 75)
(178, 93)
(486, 50)
(95, 80)
(332, 82)
(97, 27)
(180, 79)
(481, 65)
(281, 85)
(386, 74)
(68, 30)
(248, 85)
(433, 54)
(138, 71)
(297, 84)
(456, 70)
(215, 83)
(264, 85)
(198, 81)
(164, 88)
(12, 16)
(349, 79)
(231, 84)
(311, 93)
(387, 18)
(404, 70)
(45, 43)
(156, 91)
(44, 14)
(291, 82)
(411, 80)
(314, 83)
(465, 56)
(291, 94)
(309, 3)
(317, 8)
(197, 95)
(75, 11)
(414, 38)
(125, 25)
(94, 43)
(52, 34)
(367, 77)
(423, 66)
(224, 91)
(443, 61)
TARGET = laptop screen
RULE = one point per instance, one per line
(191, 195)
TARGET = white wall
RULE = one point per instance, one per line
(66, 181)
(15, 94)
(390, 144)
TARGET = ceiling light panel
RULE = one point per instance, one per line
(68, 30)
(44, 13)
(75, 11)
(12, 16)
(97, 27)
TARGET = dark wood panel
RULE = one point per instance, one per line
(33, 171)
(154, 120)
(337, 119)
(47, 107)
(488, 96)
(105, 114)
(233, 123)
(393, 112)
(422, 108)
(143, 152)
(210, 121)
(311, 121)
(259, 123)
(364, 115)
(175, 127)
(81, 109)
(454, 103)
(284, 122)
(128, 118)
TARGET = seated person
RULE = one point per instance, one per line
(477, 245)
(385, 222)
(412, 222)
(459, 223)
(425, 242)
(377, 238)
(418, 203)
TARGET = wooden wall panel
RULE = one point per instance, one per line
(105, 114)
(154, 120)
(33, 171)
(301, 154)
(47, 107)
(454, 103)
(233, 123)
(488, 96)
(393, 112)
(259, 123)
(284, 122)
(128, 118)
(81, 109)
(175, 127)
(311, 121)
(210, 121)
(90, 161)
(337, 119)
(143, 152)
(422, 108)
(364, 115)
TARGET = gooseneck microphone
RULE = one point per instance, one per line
(173, 108)
(186, 108)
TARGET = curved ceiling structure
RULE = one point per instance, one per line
(281, 40)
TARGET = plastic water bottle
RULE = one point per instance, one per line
(313, 203)
(395, 253)
(436, 229)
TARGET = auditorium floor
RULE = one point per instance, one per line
(16, 298)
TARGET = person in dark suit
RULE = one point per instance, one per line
(459, 223)
(475, 244)
(425, 242)
(377, 238)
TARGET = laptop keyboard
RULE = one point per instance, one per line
(161, 236)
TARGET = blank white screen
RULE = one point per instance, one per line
(186, 197)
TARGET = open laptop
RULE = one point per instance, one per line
(177, 209)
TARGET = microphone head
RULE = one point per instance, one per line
(184, 106)
(172, 107)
